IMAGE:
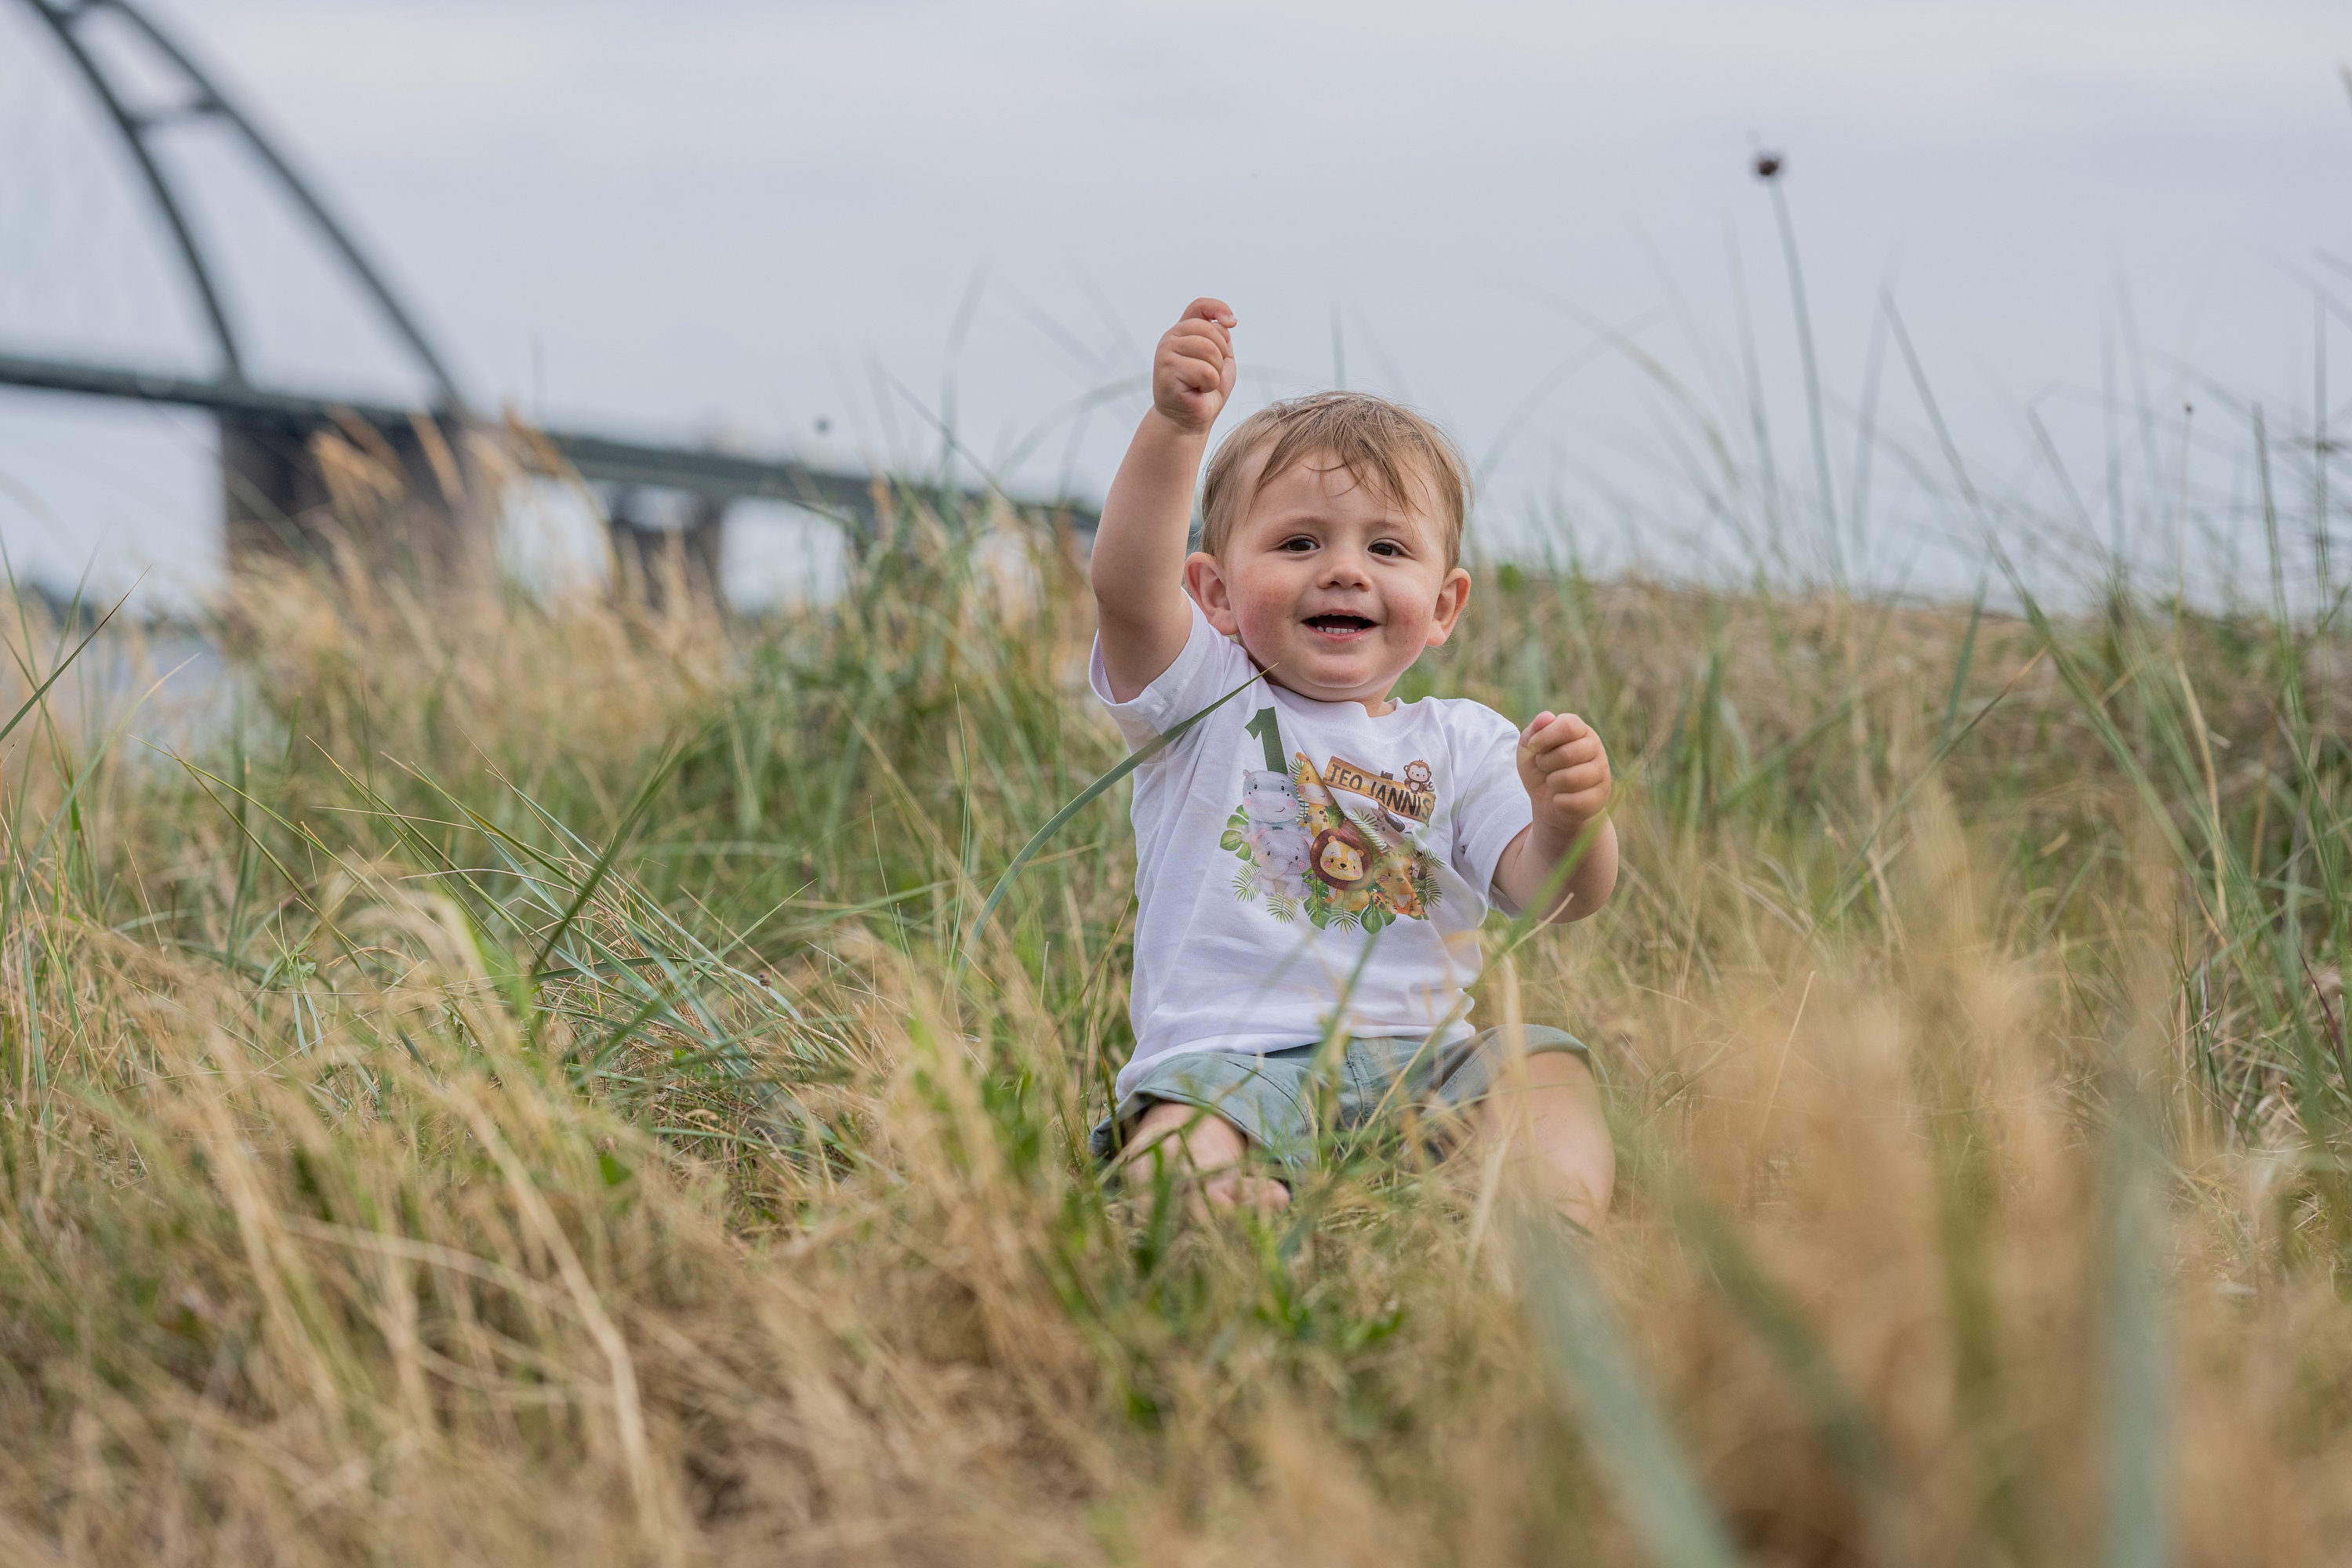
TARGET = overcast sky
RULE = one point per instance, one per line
(694, 218)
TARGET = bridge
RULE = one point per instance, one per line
(412, 482)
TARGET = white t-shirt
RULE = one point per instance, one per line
(1295, 859)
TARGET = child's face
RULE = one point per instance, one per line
(1331, 586)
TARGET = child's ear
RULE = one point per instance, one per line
(1453, 596)
(1205, 580)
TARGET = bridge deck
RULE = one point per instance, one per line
(718, 476)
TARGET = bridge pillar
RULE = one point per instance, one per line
(401, 500)
(665, 542)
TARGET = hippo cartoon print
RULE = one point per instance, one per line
(1274, 830)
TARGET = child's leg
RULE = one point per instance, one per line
(1565, 1132)
(1210, 1148)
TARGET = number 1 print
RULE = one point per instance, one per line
(1269, 733)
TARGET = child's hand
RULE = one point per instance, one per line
(1565, 769)
(1192, 374)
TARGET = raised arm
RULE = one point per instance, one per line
(1138, 558)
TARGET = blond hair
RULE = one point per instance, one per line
(1384, 445)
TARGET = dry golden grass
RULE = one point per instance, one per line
(511, 1100)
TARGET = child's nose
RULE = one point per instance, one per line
(1344, 567)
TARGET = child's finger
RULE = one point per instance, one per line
(1582, 801)
(1560, 737)
(1211, 336)
(1196, 375)
(1577, 780)
(1198, 346)
(1549, 729)
(1584, 749)
(1209, 308)
(1594, 761)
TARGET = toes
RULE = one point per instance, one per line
(1261, 1195)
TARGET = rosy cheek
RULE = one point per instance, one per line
(1267, 609)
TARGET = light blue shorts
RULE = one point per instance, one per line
(1282, 1103)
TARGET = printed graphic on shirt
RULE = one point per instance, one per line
(1306, 851)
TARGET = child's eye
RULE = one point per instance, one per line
(1297, 544)
(1388, 547)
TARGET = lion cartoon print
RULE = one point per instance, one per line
(1306, 853)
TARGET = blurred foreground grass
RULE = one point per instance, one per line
(509, 1100)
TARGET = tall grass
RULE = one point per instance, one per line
(514, 1098)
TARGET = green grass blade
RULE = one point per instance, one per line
(604, 866)
(1585, 1345)
(2137, 1435)
(1084, 798)
(1961, 667)
(1845, 1428)
(63, 665)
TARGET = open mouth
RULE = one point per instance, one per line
(1340, 624)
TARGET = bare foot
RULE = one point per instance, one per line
(1237, 1190)
(1207, 1151)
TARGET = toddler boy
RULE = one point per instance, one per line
(1313, 860)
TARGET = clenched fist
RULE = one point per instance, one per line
(1192, 373)
(1565, 769)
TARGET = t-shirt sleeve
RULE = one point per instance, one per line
(1210, 665)
(1491, 805)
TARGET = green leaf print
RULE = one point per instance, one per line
(1235, 826)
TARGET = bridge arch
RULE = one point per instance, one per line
(200, 96)
(280, 450)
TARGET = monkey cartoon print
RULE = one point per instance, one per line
(1338, 844)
